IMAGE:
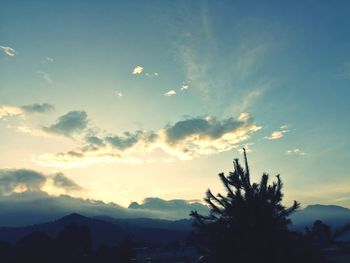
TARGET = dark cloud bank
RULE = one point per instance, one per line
(23, 201)
(69, 124)
(204, 127)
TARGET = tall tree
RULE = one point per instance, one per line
(250, 223)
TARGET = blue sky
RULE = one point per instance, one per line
(167, 130)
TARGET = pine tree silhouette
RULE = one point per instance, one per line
(250, 223)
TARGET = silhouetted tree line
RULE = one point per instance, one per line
(250, 225)
(325, 238)
(72, 245)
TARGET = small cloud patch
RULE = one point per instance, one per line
(184, 87)
(296, 151)
(119, 94)
(137, 70)
(275, 135)
(9, 51)
(170, 93)
(155, 74)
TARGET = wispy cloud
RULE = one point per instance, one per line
(275, 135)
(344, 70)
(119, 94)
(9, 51)
(184, 140)
(49, 59)
(196, 69)
(295, 151)
(137, 70)
(46, 76)
(155, 74)
(234, 83)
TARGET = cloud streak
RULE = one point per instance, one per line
(46, 76)
(295, 151)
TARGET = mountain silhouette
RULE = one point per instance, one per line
(330, 214)
(110, 232)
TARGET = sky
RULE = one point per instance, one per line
(125, 100)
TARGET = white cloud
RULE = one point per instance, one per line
(9, 51)
(244, 116)
(137, 70)
(170, 93)
(295, 151)
(49, 59)
(184, 87)
(9, 111)
(184, 140)
(278, 134)
(275, 135)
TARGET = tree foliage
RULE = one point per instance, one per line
(250, 223)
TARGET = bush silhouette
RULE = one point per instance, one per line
(250, 223)
(326, 238)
